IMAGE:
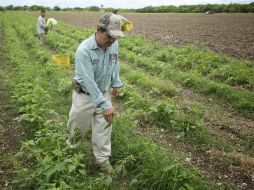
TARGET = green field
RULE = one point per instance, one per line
(179, 113)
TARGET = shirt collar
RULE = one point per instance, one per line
(94, 43)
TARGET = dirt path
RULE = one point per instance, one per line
(236, 167)
(220, 118)
(10, 135)
(222, 167)
(223, 123)
(229, 170)
(212, 162)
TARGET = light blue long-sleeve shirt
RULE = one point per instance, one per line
(40, 25)
(96, 70)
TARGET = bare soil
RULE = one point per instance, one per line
(232, 34)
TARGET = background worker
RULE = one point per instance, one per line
(96, 71)
(51, 24)
(41, 26)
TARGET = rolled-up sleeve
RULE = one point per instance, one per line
(84, 69)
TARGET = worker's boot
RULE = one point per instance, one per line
(107, 168)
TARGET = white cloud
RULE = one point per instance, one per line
(115, 3)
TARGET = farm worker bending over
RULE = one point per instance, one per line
(41, 26)
(51, 24)
(96, 71)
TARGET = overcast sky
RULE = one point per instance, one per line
(115, 3)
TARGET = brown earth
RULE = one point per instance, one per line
(235, 167)
(232, 34)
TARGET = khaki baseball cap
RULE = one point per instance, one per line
(113, 24)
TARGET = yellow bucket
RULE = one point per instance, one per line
(61, 60)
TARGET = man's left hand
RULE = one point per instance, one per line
(116, 91)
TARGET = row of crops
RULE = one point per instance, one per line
(152, 77)
(229, 81)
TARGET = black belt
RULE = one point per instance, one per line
(81, 90)
(77, 87)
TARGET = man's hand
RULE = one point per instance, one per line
(108, 115)
(116, 91)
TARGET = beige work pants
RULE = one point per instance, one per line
(84, 115)
(42, 38)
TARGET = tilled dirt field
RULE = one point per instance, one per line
(232, 34)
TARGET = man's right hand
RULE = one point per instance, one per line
(108, 115)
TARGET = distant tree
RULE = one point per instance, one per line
(78, 8)
(25, 7)
(56, 8)
(196, 10)
(36, 8)
(18, 8)
(108, 10)
(207, 8)
(232, 8)
(9, 7)
(94, 8)
(250, 8)
(2, 8)
(243, 8)
(33, 8)
(218, 8)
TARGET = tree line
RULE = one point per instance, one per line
(57, 8)
(216, 8)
